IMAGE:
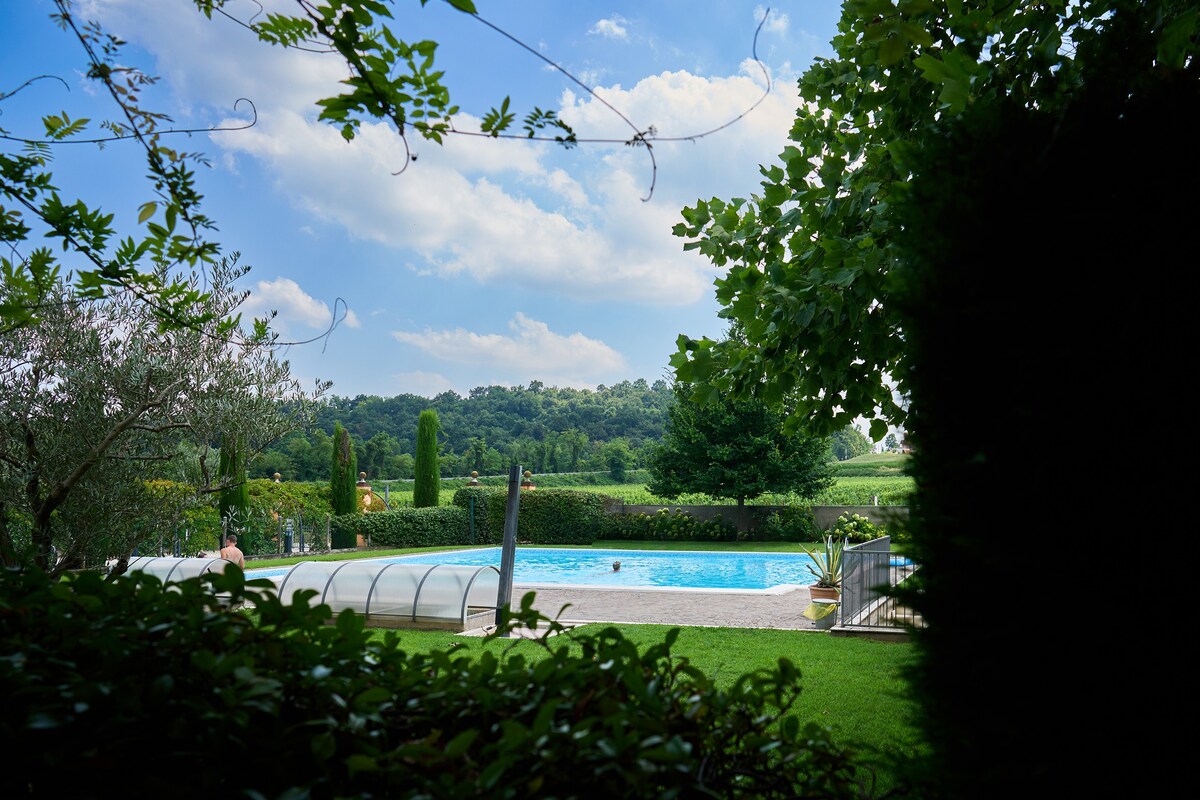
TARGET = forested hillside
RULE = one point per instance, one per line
(545, 429)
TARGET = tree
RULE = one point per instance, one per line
(576, 441)
(427, 481)
(810, 257)
(233, 505)
(890, 442)
(734, 449)
(343, 473)
(95, 398)
(617, 458)
(951, 166)
(849, 442)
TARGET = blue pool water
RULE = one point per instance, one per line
(542, 566)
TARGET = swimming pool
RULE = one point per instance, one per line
(640, 569)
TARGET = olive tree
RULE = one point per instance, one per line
(96, 397)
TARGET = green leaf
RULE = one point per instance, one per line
(464, 5)
(1176, 40)
(879, 429)
(891, 50)
(360, 763)
(459, 744)
(147, 211)
(775, 194)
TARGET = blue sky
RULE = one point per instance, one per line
(486, 261)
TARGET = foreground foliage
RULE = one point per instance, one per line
(96, 670)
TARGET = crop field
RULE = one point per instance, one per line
(856, 481)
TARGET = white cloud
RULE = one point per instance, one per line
(612, 28)
(422, 384)
(468, 209)
(482, 209)
(295, 306)
(215, 62)
(777, 22)
(531, 350)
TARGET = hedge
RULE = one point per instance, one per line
(119, 689)
(667, 526)
(405, 527)
(546, 516)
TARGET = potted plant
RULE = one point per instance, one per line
(827, 566)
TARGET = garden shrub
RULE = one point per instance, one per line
(666, 525)
(546, 516)
(795, 524)
(561, 516)
(101, 672)
(489, 504)
(405, 527)
(418, 527)
(856, 528)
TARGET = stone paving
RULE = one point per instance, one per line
(730, 609)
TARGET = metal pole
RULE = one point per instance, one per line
(508, 552)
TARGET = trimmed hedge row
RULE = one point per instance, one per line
(552, 517)
(405, 527)
(546, 516)
(668, 526)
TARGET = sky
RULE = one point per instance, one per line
(486, 261)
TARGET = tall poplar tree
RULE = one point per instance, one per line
(344, 466)
(427, 481)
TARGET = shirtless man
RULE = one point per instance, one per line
(230, 551)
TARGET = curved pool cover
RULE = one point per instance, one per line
(441, 596)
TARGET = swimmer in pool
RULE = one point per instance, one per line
(616, 566)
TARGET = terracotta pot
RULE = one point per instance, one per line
(823, 593)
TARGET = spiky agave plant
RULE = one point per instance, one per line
(828, 563)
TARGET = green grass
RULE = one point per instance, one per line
(854, 686)
(891, 490)
(287, 561)
(855, 481)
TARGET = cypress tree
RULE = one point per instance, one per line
(427, 481)
(233, 503)
(343, 468)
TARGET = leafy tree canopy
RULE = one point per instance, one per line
(810, 257)
(736, 449)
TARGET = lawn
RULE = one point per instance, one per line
(855, 686)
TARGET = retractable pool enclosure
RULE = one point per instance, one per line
(172, 570)
(440, 596)
(391, 595)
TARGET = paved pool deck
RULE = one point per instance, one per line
(778, 610)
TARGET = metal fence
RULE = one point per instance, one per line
(869, 570)
(259, 535)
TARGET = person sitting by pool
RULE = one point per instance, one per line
(616, 566)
